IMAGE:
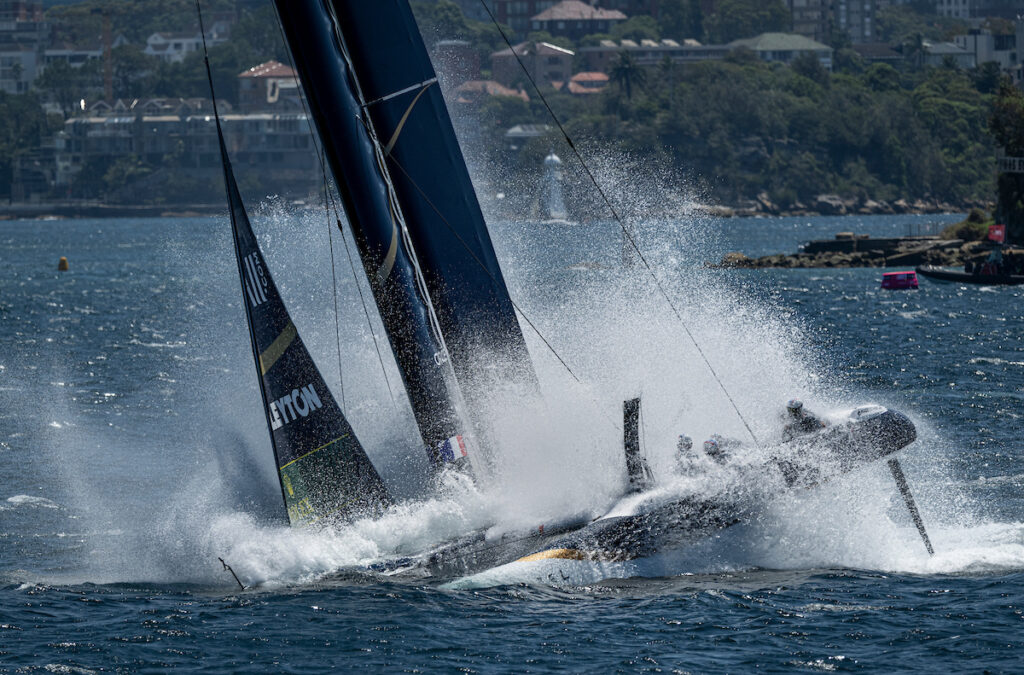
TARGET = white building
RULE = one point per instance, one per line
(174, 47)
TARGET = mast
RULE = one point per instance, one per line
(355, 159)
(432, 183)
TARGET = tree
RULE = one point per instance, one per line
(440, 20)
(987, 77)
(1006, 122)
(681, 19)
(60, 80)
(626, 73)
(640, 27)
(808, 65)
(915, 49)
(738, 19)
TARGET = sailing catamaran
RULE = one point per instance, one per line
(389, 142)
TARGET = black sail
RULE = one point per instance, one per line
(366, 194)
(324, 471)
(433, 186)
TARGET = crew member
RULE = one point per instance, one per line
(801, 421)
(684, 454)
(713, 449)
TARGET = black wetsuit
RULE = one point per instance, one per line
(805, 424)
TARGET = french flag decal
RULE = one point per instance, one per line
(452, 449)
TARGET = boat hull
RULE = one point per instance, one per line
(658, 527)
(953, 276)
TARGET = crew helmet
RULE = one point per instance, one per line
(795, 406)
(684, 443)
(711, 446)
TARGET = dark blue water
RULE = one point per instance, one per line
(133, 454)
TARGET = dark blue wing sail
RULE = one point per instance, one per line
(433, 186)
(375, 218)
(324, 471)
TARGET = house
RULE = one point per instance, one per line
(587, 83)
(76, 55)
(475, 91)
(23, 34)
(516, 13)
(174, 47)
(544, 62)
(19, 66)
(939, 53)
(574, 19)
(649, 53)
(784, 47)
(878, 52)
(519, 135)
(270, 85)
(278, 142)
(988, 47)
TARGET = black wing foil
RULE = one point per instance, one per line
(434, 189)
(325, 473)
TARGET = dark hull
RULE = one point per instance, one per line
(939, 274)
(803, 463)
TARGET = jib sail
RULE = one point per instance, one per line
(324, 471)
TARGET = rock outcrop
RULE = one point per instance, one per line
(861, 252)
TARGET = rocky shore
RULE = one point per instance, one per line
(835, 205)
(849, 250)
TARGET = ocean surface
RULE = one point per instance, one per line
(134, 455)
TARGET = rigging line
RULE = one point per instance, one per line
(334, 279)
(448, 376)
(479, 262)
(337, 219)
(487, 271)
(618, 220)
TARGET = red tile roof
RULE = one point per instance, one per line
(269, 69)
(489, 87)
(574, 10)
(590, 76)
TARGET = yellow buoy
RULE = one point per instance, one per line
(62, 266)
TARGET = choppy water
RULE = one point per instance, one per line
(133, 454)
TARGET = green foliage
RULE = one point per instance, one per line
(255, 39)
(898, 24)
(681, 19)
(640, 27)
(738, 19)
(743, 125)
(748, 127)
(988, 77)
(627, 74)
(973, 228)
(809, 66)
(1006, 120)
(22, 126)
(135, 19)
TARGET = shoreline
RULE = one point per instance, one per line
(833, 205)
(68, 210)
(824, 205)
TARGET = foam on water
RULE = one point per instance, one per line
(210, 488)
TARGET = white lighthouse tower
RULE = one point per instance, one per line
(552, 204)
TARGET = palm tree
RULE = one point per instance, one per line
(915, 49)
(625, 73)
